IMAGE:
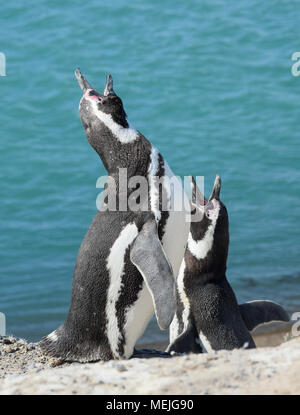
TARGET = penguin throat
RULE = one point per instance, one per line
(124, 133)
(199, 249)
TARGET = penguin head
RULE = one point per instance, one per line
(92, 102)
(211, 229)
(104, 119)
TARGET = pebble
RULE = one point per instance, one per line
(55, 361)
(121, 368)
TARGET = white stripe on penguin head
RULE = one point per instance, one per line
(124, 135)
(201, 248)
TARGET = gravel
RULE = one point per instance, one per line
(271, 370)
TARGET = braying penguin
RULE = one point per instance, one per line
(208, 316)
(128, 259)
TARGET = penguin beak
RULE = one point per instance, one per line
(108, 90)
(83, 83)
(215, 194)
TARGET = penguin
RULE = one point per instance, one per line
(208, 317)
(128, 260)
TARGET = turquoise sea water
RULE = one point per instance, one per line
(209, 83)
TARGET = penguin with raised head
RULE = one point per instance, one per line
(208, 316)
(128, 259)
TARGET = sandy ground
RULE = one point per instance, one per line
(265, 370)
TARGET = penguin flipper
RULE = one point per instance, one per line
(262, 311)
(148, 256)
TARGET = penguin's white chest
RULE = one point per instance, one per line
(137, 319)
(139, 313)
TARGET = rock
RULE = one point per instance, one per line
(55, 361)
(7, 341)
(121, 368)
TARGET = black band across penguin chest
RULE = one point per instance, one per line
(162, 197)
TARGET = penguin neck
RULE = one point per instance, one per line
(213, 266)
(212, 275)
(142, 175)
(134, 174)
(209, 259)
(116, 154)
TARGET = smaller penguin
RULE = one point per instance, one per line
(208, 316)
